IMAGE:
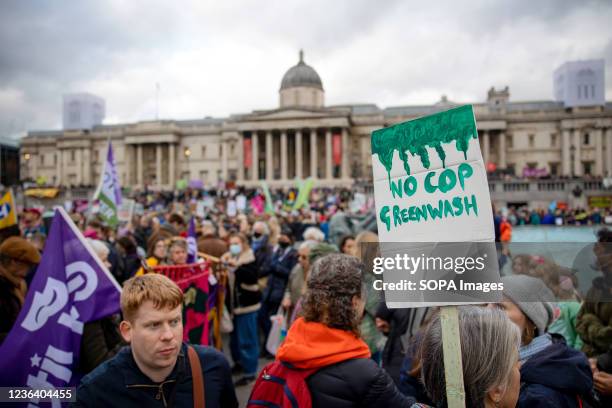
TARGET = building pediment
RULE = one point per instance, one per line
(293, 118)
(292, 113)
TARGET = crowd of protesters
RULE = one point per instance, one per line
(313, 266)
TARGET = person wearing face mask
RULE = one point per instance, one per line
(245, 302)
(283, 260)
(262, 250)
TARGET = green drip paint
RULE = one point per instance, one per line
(415, 136)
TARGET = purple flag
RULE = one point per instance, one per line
(71, 287)
(192, 246)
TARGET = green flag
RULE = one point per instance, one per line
(108, 192)
(269, 203)
(303, 193)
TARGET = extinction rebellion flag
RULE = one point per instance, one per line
(70, 288)
(108, 192)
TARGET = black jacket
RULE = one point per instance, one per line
(247, 296)
(120, 383)
(283, 261)
(555, 377)
(357, 382)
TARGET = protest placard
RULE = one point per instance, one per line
(126, 210)
(433, 204)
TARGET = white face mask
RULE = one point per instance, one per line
(235, 249)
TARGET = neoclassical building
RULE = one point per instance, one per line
(305, 138)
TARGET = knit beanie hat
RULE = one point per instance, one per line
(533, 297)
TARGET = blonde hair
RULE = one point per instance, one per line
(164, 293)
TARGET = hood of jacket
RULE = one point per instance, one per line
(559, 367)
(315, 345)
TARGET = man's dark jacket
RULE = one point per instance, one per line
(120, 383)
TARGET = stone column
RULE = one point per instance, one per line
(224, 160)
(241, 157)
(313, 153)
(86, 161)
(502, 150)
(139, 169)
(283, 145)
(79, 165)
(346, 159)
(599, 152)
(269, 156)
(578, 154)
(34, 163)
(171, 165)
(485, 146)
(565, 152)
(255, 158)
(299, 154)
(609, 152)
(59, 167)
(328, 155)
(158, 165)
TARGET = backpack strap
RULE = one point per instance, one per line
(197, 378)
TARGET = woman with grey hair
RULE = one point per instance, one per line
(327, 338)
(489, 355)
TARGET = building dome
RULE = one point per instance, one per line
(301, 75)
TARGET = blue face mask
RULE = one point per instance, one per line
(235, 249)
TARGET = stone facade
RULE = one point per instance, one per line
(304, 138)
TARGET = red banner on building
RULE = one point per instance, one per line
(248, 152)
(337, 149)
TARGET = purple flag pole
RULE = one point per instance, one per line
(70, 288)
(192, 246)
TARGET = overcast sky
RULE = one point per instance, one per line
(215, 58)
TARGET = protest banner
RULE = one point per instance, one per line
(241, 202)
(430, 188)
(70, 288)
(303, 193)
(126, 210)
(193, 281)
(192, 245)
(8, 214)
(108, 192)
(232, 210)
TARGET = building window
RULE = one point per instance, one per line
(204, 176)
(509, 141)
(42, 159)
(232, 147)
(221, 150)
(233, 175)
(553, 140)
(72, 156)
(554, 168)
(593, 91)
(532, 165)
(96, 156)
(511, 168)
(203, 152)
(586, 139)
(588, 168)
(55, 159)
(531, 140)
